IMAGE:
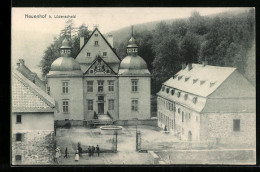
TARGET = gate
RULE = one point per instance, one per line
(138, 140)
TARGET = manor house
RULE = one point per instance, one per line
(97, 84)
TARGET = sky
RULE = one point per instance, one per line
(31, 36)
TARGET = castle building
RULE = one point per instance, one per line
(97, 84)
(203, 102)
(32, 122)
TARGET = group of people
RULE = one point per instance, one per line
(92, 149)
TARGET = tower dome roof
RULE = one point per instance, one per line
(65, 65)
(133, 62)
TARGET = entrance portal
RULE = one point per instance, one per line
(100, 108)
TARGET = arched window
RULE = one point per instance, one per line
(179, 94)
(172, 91)
(167, 90)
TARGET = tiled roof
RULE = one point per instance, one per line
(200, 80)
(27, 97)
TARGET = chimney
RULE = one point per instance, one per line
(183, 66)
(110, 40)
(21, 61)
(189, 66)
(81, 42)
(204, 63)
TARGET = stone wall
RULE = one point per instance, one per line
(61, 123)
(36, 147)
(219, 126)
(208, 156)
(150, 122)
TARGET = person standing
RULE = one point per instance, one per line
(77, 155)
(89, 151)
(93, 150)
(97, 148)
(66, 153)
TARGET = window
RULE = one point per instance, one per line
(178, 94)
(96, 35)
(167, 90)
(90, 104)
(65, 106)
(89, 86)
(194, 81)
(65, 88)
(135, 105)
(104, 54)
(134, 85)
(110, 85)
(111, 104)
(172, 92)
(18, 137)
(88, 54)
(100, 98)
(48, 90)
(100, 86)
(18, 119)
(185, 96)
(163, 88)
(236, 125)
(18, 158)
(96, 42)
(194, 100)
(91, 71)
(182, 116)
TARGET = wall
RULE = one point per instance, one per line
(126, 95)
(34, 121)
(96, 50)
(181, 129)
(35, 148)
(74, 95)
(220, 126)
(94, 96)
(208, 156)
(150, 122)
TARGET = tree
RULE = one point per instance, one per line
(52, 52)
(167, 61)
(189, 48)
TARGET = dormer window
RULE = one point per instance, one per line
(202, 82)
(194, 100)
(172, 91)
(163, 88)
(175, 76)
(194, 81)
(96, 35)
(167, 90)
(185, 96)
(212, 84)
(179, 77)
(186, 79)
(178, 94)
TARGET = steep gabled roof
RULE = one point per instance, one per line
(27, 97)
(200, 80)
(89, 67)
(96, 29)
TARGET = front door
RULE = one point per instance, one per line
(100, 108)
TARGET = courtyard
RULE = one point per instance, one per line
(151, 137)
